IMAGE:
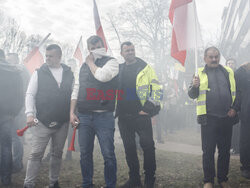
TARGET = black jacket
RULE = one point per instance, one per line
(53, 102)
(242, 101)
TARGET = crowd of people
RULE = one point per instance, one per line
(60, 96)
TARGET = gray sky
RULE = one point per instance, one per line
(67, 20)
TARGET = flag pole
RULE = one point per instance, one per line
(195, 48)
(41, 43)
(34, 50)
(77, 45)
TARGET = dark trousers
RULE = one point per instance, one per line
(141, 125)
(217, 132)
(236, 139)
(245, 145)
(6, 150)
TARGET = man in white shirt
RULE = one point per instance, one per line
(48, 100)
(94, 96)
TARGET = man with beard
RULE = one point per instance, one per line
(48, 100)
(94, 96)
(214, 87)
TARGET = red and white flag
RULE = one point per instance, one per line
(34, 60)
(98, 26)
(78, 54)
(186, 31)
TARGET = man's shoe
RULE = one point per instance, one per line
(208, 185)
(131, 184)
(245, 174)
(55, 185)
(225, 184)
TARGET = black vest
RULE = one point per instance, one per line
(93, 94)
(52, 102)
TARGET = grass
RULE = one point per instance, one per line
(174, 170)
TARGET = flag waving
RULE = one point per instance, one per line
(98, 26)
(186, 32)
(78, 54)
(34, 60)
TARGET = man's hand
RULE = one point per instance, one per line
(196, 81)
(231, 113)
(142, 113)
(90, 59)
(31, 121)
(74, 120)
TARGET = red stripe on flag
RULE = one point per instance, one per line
(98, 25)
(175, 4)
(34, 60)
(175, 53)
(100, 33)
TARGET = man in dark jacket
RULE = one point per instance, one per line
(214, 88)
(20, 119)
(141, 98)
(11, 94)
(48, 100)
(242, 104)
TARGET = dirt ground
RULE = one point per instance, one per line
(175, 169)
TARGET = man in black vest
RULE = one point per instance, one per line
(48, 100)
(94, 96)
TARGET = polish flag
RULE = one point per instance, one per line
(186, 31)
(78, 54)
(98, 26)
(34, 60)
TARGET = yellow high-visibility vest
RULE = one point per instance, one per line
(147, 83)
(201, 107)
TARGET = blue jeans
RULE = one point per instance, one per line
(102, 125)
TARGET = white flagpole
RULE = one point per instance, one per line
(195, 48)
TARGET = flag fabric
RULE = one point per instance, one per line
(34, 60)
(78, 54)
(98, 26)
(186, 32)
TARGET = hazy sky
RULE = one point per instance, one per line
(67, 20)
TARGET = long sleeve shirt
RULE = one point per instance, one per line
(32, 89)
(103, 74)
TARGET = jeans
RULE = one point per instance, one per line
(141, 125)
(217, 132)
(6, 124)
(102, 125)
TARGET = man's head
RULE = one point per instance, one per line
(72, 64)
(212, 57)
(231, 63)
(94, 42)
(53, 55)
(128, 51)
(12, 58)
(2, 55)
